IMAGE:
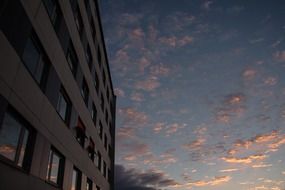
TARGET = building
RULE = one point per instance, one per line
(57, 113)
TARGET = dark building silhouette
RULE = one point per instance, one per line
(57, 113)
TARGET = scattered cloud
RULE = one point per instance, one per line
(218, 180)
(133, 117)
(158, 127)
(229, 170)
(174, 41)
(159, 70)
(150, 84)
(249, 74)
(137, 97)
(261, 165)
(207, 5)
(244, 160)
(279, 56)
(119, 92)
(270, 81)
(132, 179)
(173, 128)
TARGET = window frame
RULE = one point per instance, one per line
(42, 64)
(78, 179)
(29, 145)
(61, 167)
(62, 93)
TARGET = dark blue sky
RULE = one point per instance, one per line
(200, 91)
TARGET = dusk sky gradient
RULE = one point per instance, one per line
(200, 91)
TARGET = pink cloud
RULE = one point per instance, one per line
(133, 117)
(174, 41)
(137, 97)
(270, 81)
(137, 34)
(218, 180)
(143, 64)
(150, 84)
(119, 92)
(173, 128)
(159, 70)
(244, 160)
(249, 74)
(158, 127)
(279, 56)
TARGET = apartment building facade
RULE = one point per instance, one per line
(57, 113)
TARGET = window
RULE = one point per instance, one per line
(78, 21)
(94, 113)
(105, 141)
(110, 151)
(99, 56)
(16, 140)
(102, 101)
(93, 31)
(98, 188)
(99, 161)
(55, 167)
(89, 184)
(88, 9)
(54, 12)
(106, 116)
(104, 78)
(88, 57)
(80, 132)
(85, 92)
(104, 169)
(64, 106)
(76, 179)
(72, 58)
(91, 149)
(108, 94)
(100, 130)
(96, 82)
(35, 60)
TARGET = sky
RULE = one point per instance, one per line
(200, 89)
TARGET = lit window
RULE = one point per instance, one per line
(16, 139)
(55, 167)
(76, 179)
(85, 91)
(35, 60)
(64, 106)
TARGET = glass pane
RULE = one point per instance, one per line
(62, 106)
(39, 71)
(74, 180)
(9, 136)
(31, 56)
(23, 147)
(54, 168)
